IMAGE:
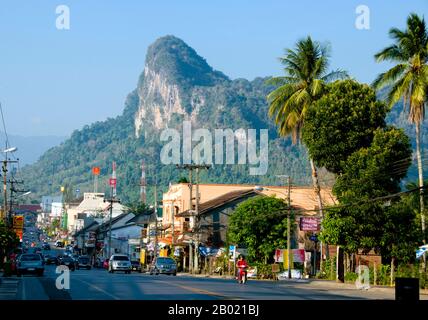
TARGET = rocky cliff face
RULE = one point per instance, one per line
(172, 83)
(158, 101)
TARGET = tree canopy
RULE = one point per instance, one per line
(260, 225)
(342, 122)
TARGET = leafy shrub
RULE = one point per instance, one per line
(351, 276)
(329, 269)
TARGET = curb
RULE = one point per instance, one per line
(350, 285)
(314, 282)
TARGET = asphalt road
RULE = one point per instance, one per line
(98, 284)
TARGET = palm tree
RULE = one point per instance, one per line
(408, 79)
(304, 82)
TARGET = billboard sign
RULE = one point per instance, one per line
(309, 224)
(18, 222)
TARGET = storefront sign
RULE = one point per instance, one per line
(18, 222)
(309, 224)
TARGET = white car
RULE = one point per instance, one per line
(119, 262)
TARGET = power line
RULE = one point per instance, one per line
(4, 126)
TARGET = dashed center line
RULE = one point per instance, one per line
(99, 289)
(201, 291)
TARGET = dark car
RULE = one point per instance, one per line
(46, 246)
(136, 265)
(83, 262)
(68, 261)
(51, 259)
(30, 263)
(59, 244)
(163, 265)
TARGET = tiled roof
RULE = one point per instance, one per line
(301, 198)
(30, 207)
(220, 201)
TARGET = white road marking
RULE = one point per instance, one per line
(99, 289)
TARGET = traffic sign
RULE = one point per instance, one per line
(313, 238)
(112, 182)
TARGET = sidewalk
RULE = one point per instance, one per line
(312, 282)
(8, 287)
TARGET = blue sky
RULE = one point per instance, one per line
(54, 81)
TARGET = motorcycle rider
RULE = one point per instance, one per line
(241, 264)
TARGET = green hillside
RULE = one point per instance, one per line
(175, 78)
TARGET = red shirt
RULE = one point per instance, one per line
(242, 264)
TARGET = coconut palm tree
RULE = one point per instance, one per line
(306, 74)
(408, 79)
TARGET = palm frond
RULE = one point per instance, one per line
(390, 76)
(392, 53)
(399, 89)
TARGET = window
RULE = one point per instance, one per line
(30, 257)
(120, 258)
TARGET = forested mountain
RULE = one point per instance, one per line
(175, 85)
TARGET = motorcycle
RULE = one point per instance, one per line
(242, 274)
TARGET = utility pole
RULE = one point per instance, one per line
(5, 209)
(173, 227)
(190, 210)
(156, 222)
(5, 190)
(196, 227)
(109, 225)
(112, 200)
(289, 228)
(12, 181)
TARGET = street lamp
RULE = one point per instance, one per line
(24, 194)
(259, 188)
(13, 149)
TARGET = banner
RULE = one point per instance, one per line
(297, 255)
